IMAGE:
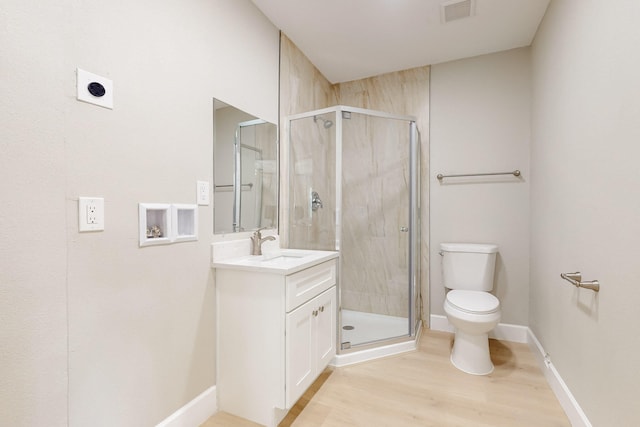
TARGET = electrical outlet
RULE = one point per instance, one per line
(202, 192)
(90, 214)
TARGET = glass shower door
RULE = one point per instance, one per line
(374, 228)
(353, 188)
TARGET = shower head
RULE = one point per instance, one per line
(326, 123)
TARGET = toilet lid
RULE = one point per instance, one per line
(473, 301)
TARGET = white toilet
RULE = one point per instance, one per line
(467, 271)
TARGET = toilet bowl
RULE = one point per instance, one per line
(468, 271)
(474, 314)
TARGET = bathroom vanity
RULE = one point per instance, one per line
(276, 323)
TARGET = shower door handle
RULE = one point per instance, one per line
(404, 229)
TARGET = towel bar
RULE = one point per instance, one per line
(514, 173)
(229, 187)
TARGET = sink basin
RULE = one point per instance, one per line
(281, 256)
(282, 261)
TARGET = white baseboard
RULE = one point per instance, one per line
(574, 412)
(195, 412)
(503, 331)
(523, 334)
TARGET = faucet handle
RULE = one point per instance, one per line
(257, 235)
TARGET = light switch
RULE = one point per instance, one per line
(90, 214)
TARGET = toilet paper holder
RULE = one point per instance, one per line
(576, 280)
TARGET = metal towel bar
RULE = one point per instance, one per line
(229, 187)
(514, 173)
(576, 280)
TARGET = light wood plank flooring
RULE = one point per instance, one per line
(422, 388)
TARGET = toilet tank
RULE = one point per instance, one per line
(468, 266)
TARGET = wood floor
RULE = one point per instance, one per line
(422, 388)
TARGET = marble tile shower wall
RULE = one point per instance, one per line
(371, 281)
(302, 88)
(314, 158)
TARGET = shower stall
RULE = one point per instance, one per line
(353, 187)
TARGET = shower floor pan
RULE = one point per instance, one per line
(372, 328)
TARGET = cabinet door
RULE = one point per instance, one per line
(300, 354)
(325, 329)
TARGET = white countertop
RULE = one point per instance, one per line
(282, 261)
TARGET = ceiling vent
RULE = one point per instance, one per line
(457, 9)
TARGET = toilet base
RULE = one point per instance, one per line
(470, 353)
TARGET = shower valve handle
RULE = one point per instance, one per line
(315, 201)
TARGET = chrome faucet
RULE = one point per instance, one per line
(257, 240)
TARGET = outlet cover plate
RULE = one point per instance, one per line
(203, 193)
(90, 214)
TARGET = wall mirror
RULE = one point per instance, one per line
(245, 167)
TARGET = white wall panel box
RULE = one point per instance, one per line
(165, 223)
(154, 224)
(185, 222)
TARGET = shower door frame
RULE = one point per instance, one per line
(237, 173)
(413, 284)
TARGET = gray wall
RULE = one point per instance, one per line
(584, 201)
(480, 122)
(94, 330)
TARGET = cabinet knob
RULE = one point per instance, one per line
(321, 309)
(315, 313)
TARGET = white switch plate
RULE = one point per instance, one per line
(84, 78)
(203, 193)
(90, 214)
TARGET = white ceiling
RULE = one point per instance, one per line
(353, 39)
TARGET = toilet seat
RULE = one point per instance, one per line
(473, 302)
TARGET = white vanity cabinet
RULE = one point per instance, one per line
(310, 343)
(276, 334)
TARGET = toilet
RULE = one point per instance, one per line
(467, 273)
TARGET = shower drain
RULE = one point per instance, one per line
(348, 328)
